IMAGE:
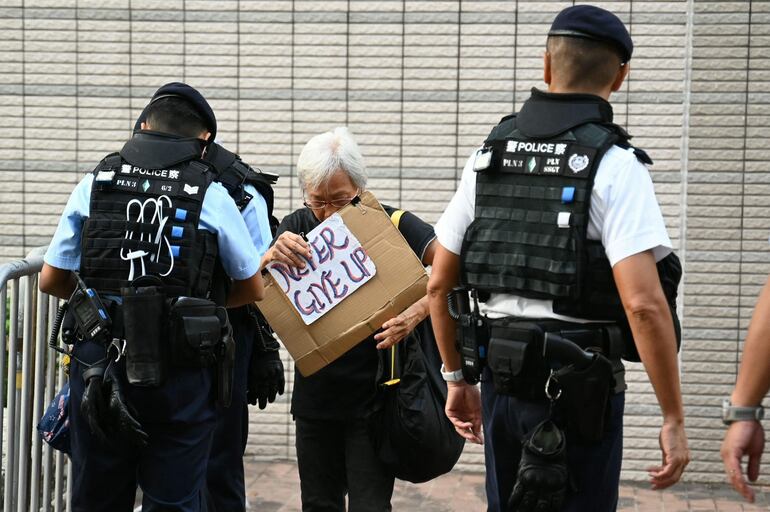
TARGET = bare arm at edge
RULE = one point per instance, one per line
(652, 326)
(463, 406)
(747, 438)
(56, 281)
(246, 291)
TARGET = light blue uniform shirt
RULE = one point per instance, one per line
(255, 216)
(237, 242)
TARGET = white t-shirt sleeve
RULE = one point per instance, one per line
(631, 218)
(451, 226)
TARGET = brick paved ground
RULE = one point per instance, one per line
(274, 487)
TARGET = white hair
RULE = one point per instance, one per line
(327, 153)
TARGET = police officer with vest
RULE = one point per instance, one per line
(258, 372)
(149, 251)
(556, 250)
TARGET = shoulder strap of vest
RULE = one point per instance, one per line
(200, 166)
(623, 142)
(504, 128)
(220, 157)
(113, 161)
(640, 154)
(233, 173)
(599, 135)
(239, 174)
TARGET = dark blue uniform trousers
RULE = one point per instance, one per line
(225, 486)
(179, 417)
(593, 467)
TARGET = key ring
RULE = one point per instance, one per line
(116, 344)
(552, 379)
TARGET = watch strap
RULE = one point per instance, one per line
(455, 376)
(732, 413)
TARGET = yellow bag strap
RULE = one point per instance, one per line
(393, 379)
(395, 218)
(392, 362)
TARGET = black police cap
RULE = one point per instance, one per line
(190, 94)
(595, 23)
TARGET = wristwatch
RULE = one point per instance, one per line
(732, 413)
(455, 376)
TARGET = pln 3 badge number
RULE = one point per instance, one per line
(578, 163)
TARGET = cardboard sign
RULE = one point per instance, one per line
(338, 266)
(400, 281)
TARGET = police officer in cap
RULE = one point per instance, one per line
(258, 372)
(137, 252)
(556, 234)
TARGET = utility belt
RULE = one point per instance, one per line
(568, 363)
(153, 332)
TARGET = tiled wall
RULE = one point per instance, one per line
(420, 83)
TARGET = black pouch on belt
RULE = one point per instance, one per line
(515, 357)
(225, 360)
(195, 332)
(143, 319)
(586, 397)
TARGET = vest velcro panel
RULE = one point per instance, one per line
(145, 222)
(529, 233)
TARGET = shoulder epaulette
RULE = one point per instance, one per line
(623, 142)
(642, 156)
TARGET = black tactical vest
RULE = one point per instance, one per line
(144, 211)
(534, 179)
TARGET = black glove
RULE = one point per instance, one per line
(265, 378)
(104, 408)
(541, 482)
(93, 406)
(124, 425)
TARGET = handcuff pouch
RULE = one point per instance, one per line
(515, 359)
(195, 332)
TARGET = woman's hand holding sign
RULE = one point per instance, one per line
(316, 284)
(287, 249)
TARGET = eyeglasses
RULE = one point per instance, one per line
(335, 203)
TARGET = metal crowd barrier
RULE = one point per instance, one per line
(34, 476)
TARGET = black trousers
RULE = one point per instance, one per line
(335, 458)
(225, 484)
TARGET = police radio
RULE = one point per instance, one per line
(472, 333)
(89, 312)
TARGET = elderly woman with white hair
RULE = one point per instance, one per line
(334, 453)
